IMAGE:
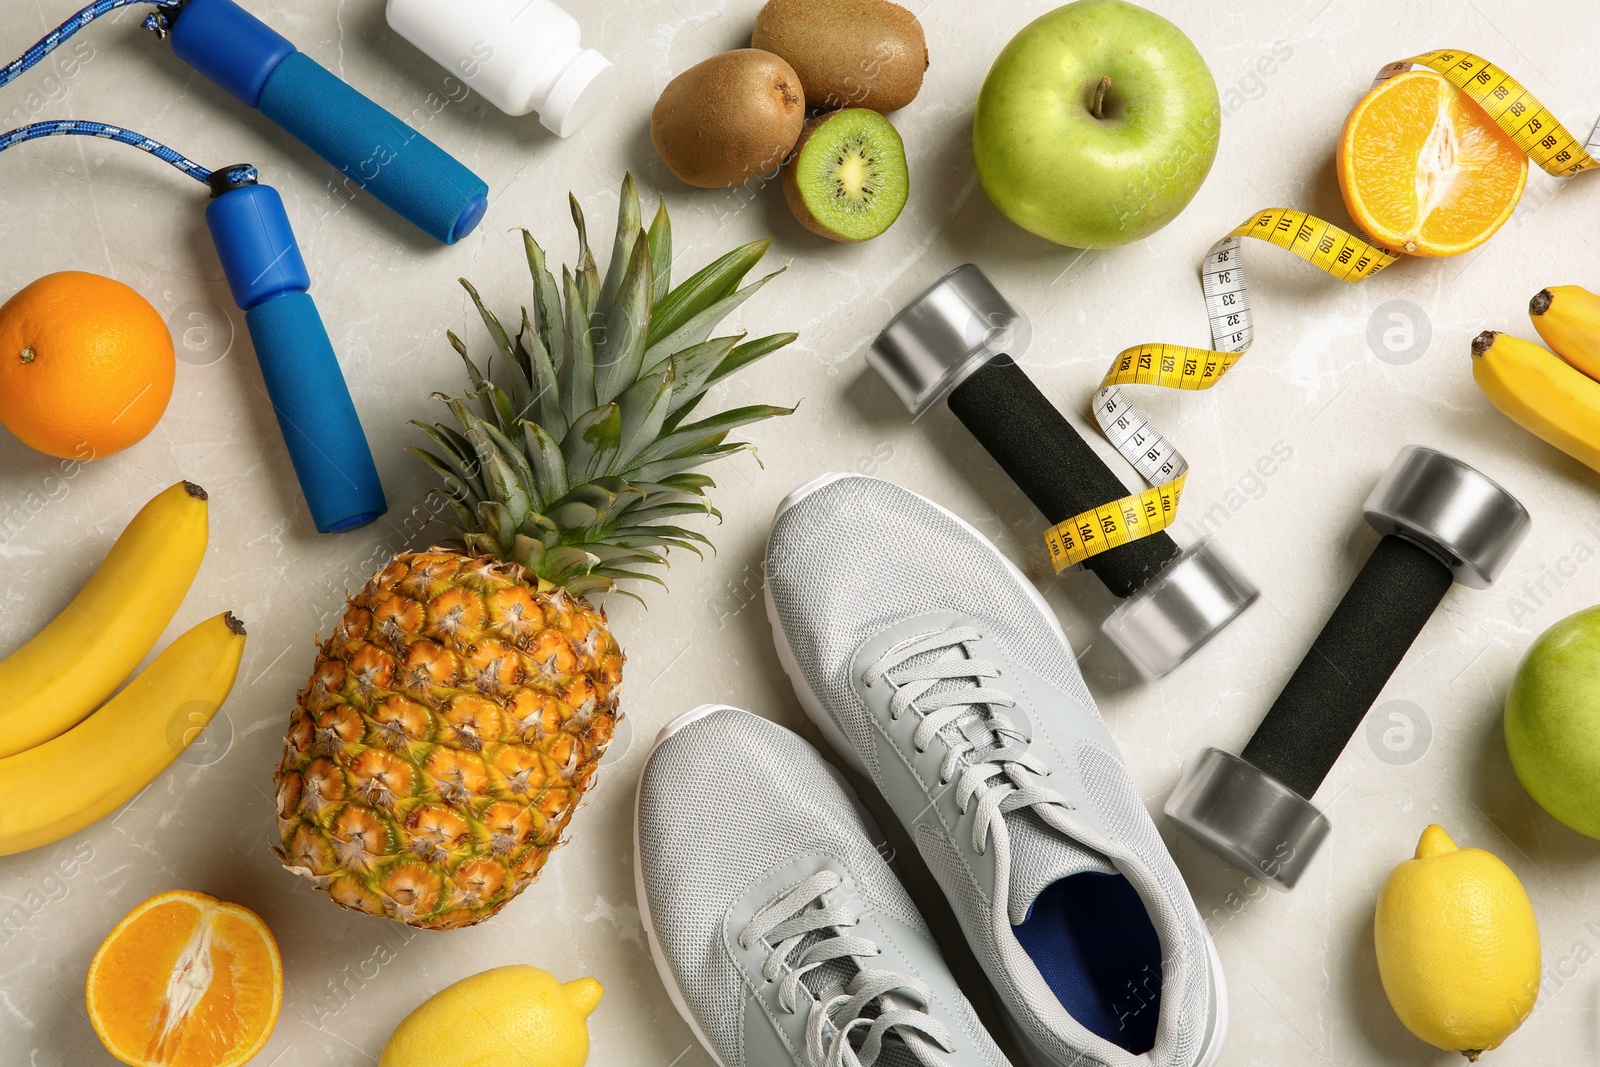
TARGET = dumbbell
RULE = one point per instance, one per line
(1442, 522)
(947, 345)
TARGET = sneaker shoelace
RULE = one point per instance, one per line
(986, 756)
(877, 1001)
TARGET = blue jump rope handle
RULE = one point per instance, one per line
(371, 147)
(308, 392)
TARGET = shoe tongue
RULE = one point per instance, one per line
(830, 978)
(1041, 856)
(901, 1054)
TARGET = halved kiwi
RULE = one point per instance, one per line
(847, 178)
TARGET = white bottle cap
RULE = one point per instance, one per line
(577, 93)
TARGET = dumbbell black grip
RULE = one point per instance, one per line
(1052, 464)
(1351, 660)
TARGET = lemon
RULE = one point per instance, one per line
(517, 1016)
(1458, 946)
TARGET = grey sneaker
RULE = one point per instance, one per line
(778, 929)
(941, 674)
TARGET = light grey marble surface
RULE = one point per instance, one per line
(1312, 393)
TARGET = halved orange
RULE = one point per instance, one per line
(1423, 168)
(186, 980)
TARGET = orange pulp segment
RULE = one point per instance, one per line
(186, 980)
(1423, 168)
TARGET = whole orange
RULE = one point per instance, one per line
(86, 365)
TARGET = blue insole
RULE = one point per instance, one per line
(1093, 941)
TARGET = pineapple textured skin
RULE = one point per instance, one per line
(452, 724)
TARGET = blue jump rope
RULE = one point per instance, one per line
(251, 230)
(379, 153)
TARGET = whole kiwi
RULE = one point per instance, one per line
(729, 118)
(848, 53)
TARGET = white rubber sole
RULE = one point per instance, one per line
(1212, 1052)
(824, 722)
(663, 970)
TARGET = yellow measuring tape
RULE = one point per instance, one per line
(1340, 253)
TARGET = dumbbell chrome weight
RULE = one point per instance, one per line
(1442, 522)
(950, 344)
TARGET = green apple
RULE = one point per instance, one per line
(1553, 721)
(1096, 125)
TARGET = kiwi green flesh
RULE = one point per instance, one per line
(851, 174)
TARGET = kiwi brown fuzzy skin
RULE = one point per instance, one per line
(729, 118)
(848, 53)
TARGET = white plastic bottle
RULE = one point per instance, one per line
(521, 55)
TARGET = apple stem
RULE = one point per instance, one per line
(1099, 105)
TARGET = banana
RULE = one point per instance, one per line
(1540, 393)
(1568, 318)
(88, 772)
(69, 668)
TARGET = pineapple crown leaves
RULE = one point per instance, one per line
(578, 457)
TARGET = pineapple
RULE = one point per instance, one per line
(455, 717)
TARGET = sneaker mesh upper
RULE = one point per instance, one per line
(861, 553)
(721, 803)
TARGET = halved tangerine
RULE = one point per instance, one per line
(1423, 168)
(186, 980)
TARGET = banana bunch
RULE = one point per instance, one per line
(64, 764)
(1555, 396)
